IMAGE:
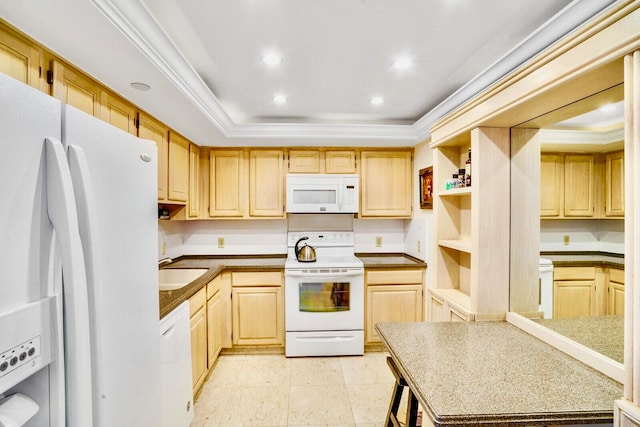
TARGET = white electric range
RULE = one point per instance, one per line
(324, 299)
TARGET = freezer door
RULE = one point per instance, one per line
(114, 176)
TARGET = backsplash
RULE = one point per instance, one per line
(584, 235)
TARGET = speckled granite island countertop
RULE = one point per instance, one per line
(492, 373)
(389, 260)
(215, 264)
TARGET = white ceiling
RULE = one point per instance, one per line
(202, 59)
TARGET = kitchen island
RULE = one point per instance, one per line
(492, 373)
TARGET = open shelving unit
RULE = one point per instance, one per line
(472, 228)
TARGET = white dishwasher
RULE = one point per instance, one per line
(175, 362)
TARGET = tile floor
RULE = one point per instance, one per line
(271, 390)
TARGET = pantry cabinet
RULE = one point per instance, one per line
(258, 308)
(198, 315)
(386, 185)
(472, 253)
(392, 295)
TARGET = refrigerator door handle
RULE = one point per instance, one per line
(61, 208)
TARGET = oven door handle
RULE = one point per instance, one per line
(327, 274)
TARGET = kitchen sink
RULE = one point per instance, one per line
(175, 278)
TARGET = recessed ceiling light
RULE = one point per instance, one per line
(272, 59)
(402, 63)
(279, 99)
(140, 86)
(376, 100)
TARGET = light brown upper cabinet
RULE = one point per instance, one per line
(118, 112)
(320, 160)
(157, 132)
(266, 183)
(614, 184)
(19, 58)
(304, 161)
(227, 189)
(551, 185)
(76, 89)
(340, 161)
(194, 181)
(581, 185)
(386, 184)
(178, 168)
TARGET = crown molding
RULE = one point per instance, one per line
(138, 25)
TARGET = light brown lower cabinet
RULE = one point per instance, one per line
(392, 296)
(198, 315)
(587, 291)
(442, 307)
(215, 319)
(257, 308)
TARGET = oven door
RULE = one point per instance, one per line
(324, 299)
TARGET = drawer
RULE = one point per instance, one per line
(393, 277)
(197, 301)
(616, 275)
(256, 278)
(574, 273)
(213, 287)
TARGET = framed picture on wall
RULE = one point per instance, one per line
(426, 187)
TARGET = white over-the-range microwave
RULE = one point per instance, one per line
(322, 193)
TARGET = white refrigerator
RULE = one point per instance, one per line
(79, 341)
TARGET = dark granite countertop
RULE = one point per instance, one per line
(604, 334)
(169, 300)
(389, 260)
(493, 373)
(577, 259)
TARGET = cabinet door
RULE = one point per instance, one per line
(436, 310)
(340, 161)
(226, 183)
(266, 183)
(386, 184)
(614, 184)
(178, 168)
(551, 185)
(616, 291)
(19, 59)
(304, 161)
(194, 181)
(198, 348)
(579, 185)
(119, 113)
(73, 88)
(573, 298)
(215, 316)
(257, 315)
(157, 132)
(391, 303)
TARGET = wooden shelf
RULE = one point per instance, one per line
(465, 191)
(459, 245)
